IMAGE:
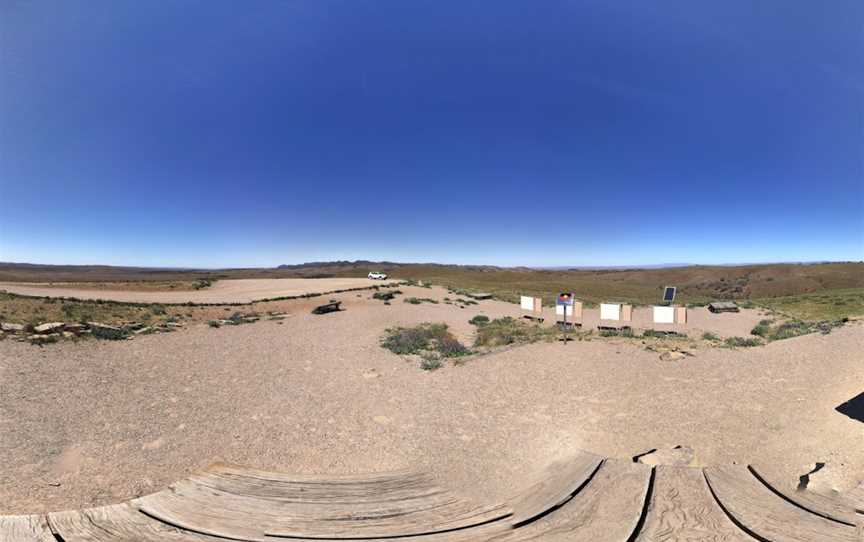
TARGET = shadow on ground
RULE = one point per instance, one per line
(854, 408)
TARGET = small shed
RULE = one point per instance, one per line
(723, 306)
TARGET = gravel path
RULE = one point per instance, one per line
(99, 422)
(223, 291)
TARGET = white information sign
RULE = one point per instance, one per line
(527, 303)
(610, 311)
(664, 315)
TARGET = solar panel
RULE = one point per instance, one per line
(669, 294)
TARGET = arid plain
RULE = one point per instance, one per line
(93, 422)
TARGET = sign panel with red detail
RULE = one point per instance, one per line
(565, 298)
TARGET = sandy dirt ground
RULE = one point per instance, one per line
(98, 422)
(223, 291)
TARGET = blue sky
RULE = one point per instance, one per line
(208, 133)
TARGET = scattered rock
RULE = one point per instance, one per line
(143, 331)
(12, 328)
(134, 326)
(680, 456)
(371, 373)
(43, 339)
(75, 327)
(50, 327)
(104, 331)
(68, 335)
(672, 355)
(174, 324)
(383, 420)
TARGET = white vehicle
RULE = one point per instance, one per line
(377, 275)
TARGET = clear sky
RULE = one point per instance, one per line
(210, 133)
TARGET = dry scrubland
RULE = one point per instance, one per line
(93, 422)
(807, 291)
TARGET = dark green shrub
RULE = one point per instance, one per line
(762, 329)
(419, 300)
(743, 342)
(479, 320)
(430, 362)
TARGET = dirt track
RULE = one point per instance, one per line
(99, 422)
(223, 291)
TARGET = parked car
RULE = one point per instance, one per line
(377, 275)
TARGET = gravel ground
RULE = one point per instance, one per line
(223, 291)
(95, 422)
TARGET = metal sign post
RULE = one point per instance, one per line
(565, 299)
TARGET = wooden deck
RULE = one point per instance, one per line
(585, 498)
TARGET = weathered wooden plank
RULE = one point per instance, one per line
(682, 509)
(821, 505)
(117, 523)
(608, 509)
(554, 486)
(757, 509)
(856, 497)
(30, 528)
(309, 489)
(260, 505)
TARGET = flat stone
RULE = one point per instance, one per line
(43, 339)
(50, 327)
(672, 355)
(143, 331)
(12, 328)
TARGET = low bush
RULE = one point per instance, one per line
(745, 342)
(405, 341)
(794, 328)
(426, 340)
(708, 336)
(508, 330)
(384, 296)
(419, 300)
(479, 320)
(449, 347)
(108, 333)
(430, 362)
(762, 329)
(623, 332)
(202, 283)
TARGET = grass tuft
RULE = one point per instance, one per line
(742, 342)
